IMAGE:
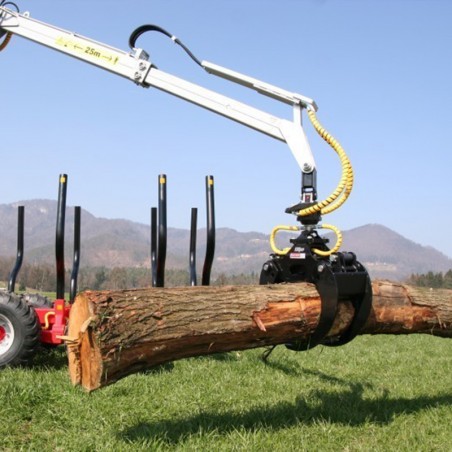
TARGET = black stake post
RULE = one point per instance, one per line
(20, 249)
(154, 246)
(162, 232)
(192, 260)
(210, 247)
(76, 258)
(59, 239)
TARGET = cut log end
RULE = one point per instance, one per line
(84, 358)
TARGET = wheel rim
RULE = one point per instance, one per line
(6, 334)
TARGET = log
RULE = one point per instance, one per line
(112, 334)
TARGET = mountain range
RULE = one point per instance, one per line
(122, 243)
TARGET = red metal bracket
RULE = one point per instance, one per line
(53, 321)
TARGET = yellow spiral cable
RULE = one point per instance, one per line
(6, 41)
(273, 246)
(337, 245)
(345, 184)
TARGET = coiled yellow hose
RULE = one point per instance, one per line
(275, 230)
(337, 245)
(345, 185)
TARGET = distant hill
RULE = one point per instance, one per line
(387, 254)
(116, 243)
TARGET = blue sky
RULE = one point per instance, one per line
(380, 72)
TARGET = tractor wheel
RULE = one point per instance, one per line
(19, 330)
(37, 300)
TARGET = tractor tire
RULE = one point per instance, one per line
(37, 300)
(19, 331)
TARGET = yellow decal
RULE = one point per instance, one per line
(162, 180)
(86, 50)
(62, 180)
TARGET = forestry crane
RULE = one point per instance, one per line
(337, 275)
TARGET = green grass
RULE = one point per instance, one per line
(375, 394)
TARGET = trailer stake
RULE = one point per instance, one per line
(59, 238)
(162, 232)
(210, 246)
(76, 259)
(192, 259)
(20, 249)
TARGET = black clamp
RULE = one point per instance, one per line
(354, 284)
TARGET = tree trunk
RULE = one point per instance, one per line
(112, 334)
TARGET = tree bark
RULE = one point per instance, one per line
(112, 334)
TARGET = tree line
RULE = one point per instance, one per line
(42, 277)
(431, 279)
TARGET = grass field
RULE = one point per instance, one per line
(375, 394)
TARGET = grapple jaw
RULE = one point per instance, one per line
(339, 277)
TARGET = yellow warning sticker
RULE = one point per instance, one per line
(82, 49)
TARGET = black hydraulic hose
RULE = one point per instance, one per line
(59, 238)
(150, 27)
(76, 259)
(20, 249)
(144, 29)
(5, 3)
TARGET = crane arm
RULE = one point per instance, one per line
(135, 66)
(308, 259)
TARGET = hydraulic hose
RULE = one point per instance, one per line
(5, 42)
(345, 185)
(337, 245)
(150, 27)
(275, 230)
(284, 251)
